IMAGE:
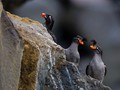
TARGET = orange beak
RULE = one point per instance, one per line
(43, 15)
(93, 47)
(81, 42)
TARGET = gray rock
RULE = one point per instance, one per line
(31, 60)
(11, 48)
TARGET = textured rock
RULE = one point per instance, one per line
(30, 60)
(11, 48)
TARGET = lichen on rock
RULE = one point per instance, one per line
(31, 60)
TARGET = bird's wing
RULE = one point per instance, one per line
(51, 19)
(105, 70)
(78, 58)
(87, 71)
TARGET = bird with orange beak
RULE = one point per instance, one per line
(49, 22)
(96, 68)
(71, 52)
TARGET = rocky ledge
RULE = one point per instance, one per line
(30, 60)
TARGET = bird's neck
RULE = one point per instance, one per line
(74, 46)
(97, 57)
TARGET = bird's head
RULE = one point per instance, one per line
(48, 20)
(80, 40)
(44, 15)
(95, 47)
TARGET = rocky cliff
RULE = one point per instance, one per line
(30, 60)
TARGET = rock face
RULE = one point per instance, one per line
(30, 60)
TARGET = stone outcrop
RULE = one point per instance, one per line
(30, 60)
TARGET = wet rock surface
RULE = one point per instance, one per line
(30, 60)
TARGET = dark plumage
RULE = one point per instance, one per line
(96, 67)
(49, 22)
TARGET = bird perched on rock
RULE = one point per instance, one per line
(49, 22)
(71, 52)
(96, 68)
